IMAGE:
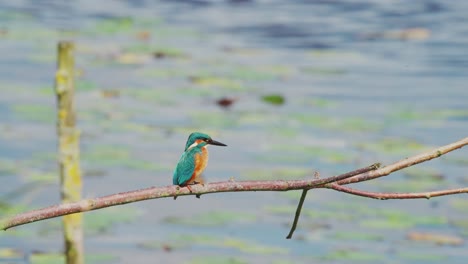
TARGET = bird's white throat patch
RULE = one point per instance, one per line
(196, 144)
(193, 145)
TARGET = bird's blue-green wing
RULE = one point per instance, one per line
(184, 170)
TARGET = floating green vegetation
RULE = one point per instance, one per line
(410, 185)
(114, 25)
(239, 244)
(265, 73)
(103, 220)
(217, 81)
(362, 236)
(251, 247)
(158, 52)
(300, 152)
(461, 114)
(286, 174)
(394, 219)
(218, 260)
(56, 258)
(10, 254)
(85, 85)
(164, 73)
(213, 218)
(7, 167)
(319, 214)
(421, 256)
(407, 115)
(320, 102)
(35, 112)
(400, 146)
(351, 124)
(274, 99)
(459, 204)
(425, 174)
(256, 119)
(213, 119)
(323, 71)
(458, 160)
(117, 156)
(353, 255)
(153, 95)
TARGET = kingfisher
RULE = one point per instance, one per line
(194, 160)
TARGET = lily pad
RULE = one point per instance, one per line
(274, 99)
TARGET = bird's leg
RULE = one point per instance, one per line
(193, 183)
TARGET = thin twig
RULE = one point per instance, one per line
(405, 163)
(298, 213)
(304, 193)
(386, 196)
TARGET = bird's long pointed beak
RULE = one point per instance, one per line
(217, 143)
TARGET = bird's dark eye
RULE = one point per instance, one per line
(207, 139)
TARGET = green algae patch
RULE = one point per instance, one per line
(410, 185)
(286, 174)
(459, 204)
(393, 219)
(216, 81)
(307, 153)
(353, 255)
(103, 221)
(357, 236)
(423, 174)
(274, 99)
(56, 258)
(421, 256)
(349, 124)
(321, 71)
(218, 260)
(251, 247)
(394, 146)
(35, 112)
(241, 245)
(104, 156)
(114, 25)
(213, 119)
(213, 218)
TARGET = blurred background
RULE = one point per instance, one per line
(292, 87)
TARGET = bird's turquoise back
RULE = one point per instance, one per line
(186, 166)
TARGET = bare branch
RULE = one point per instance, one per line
(405, 163)
(386, 196)
(163, 192)
(244, 186)
(304, 193)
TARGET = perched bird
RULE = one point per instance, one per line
(194, 160)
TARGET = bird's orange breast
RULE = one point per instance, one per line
(201, 161)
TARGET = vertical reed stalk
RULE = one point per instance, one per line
(68, 151)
